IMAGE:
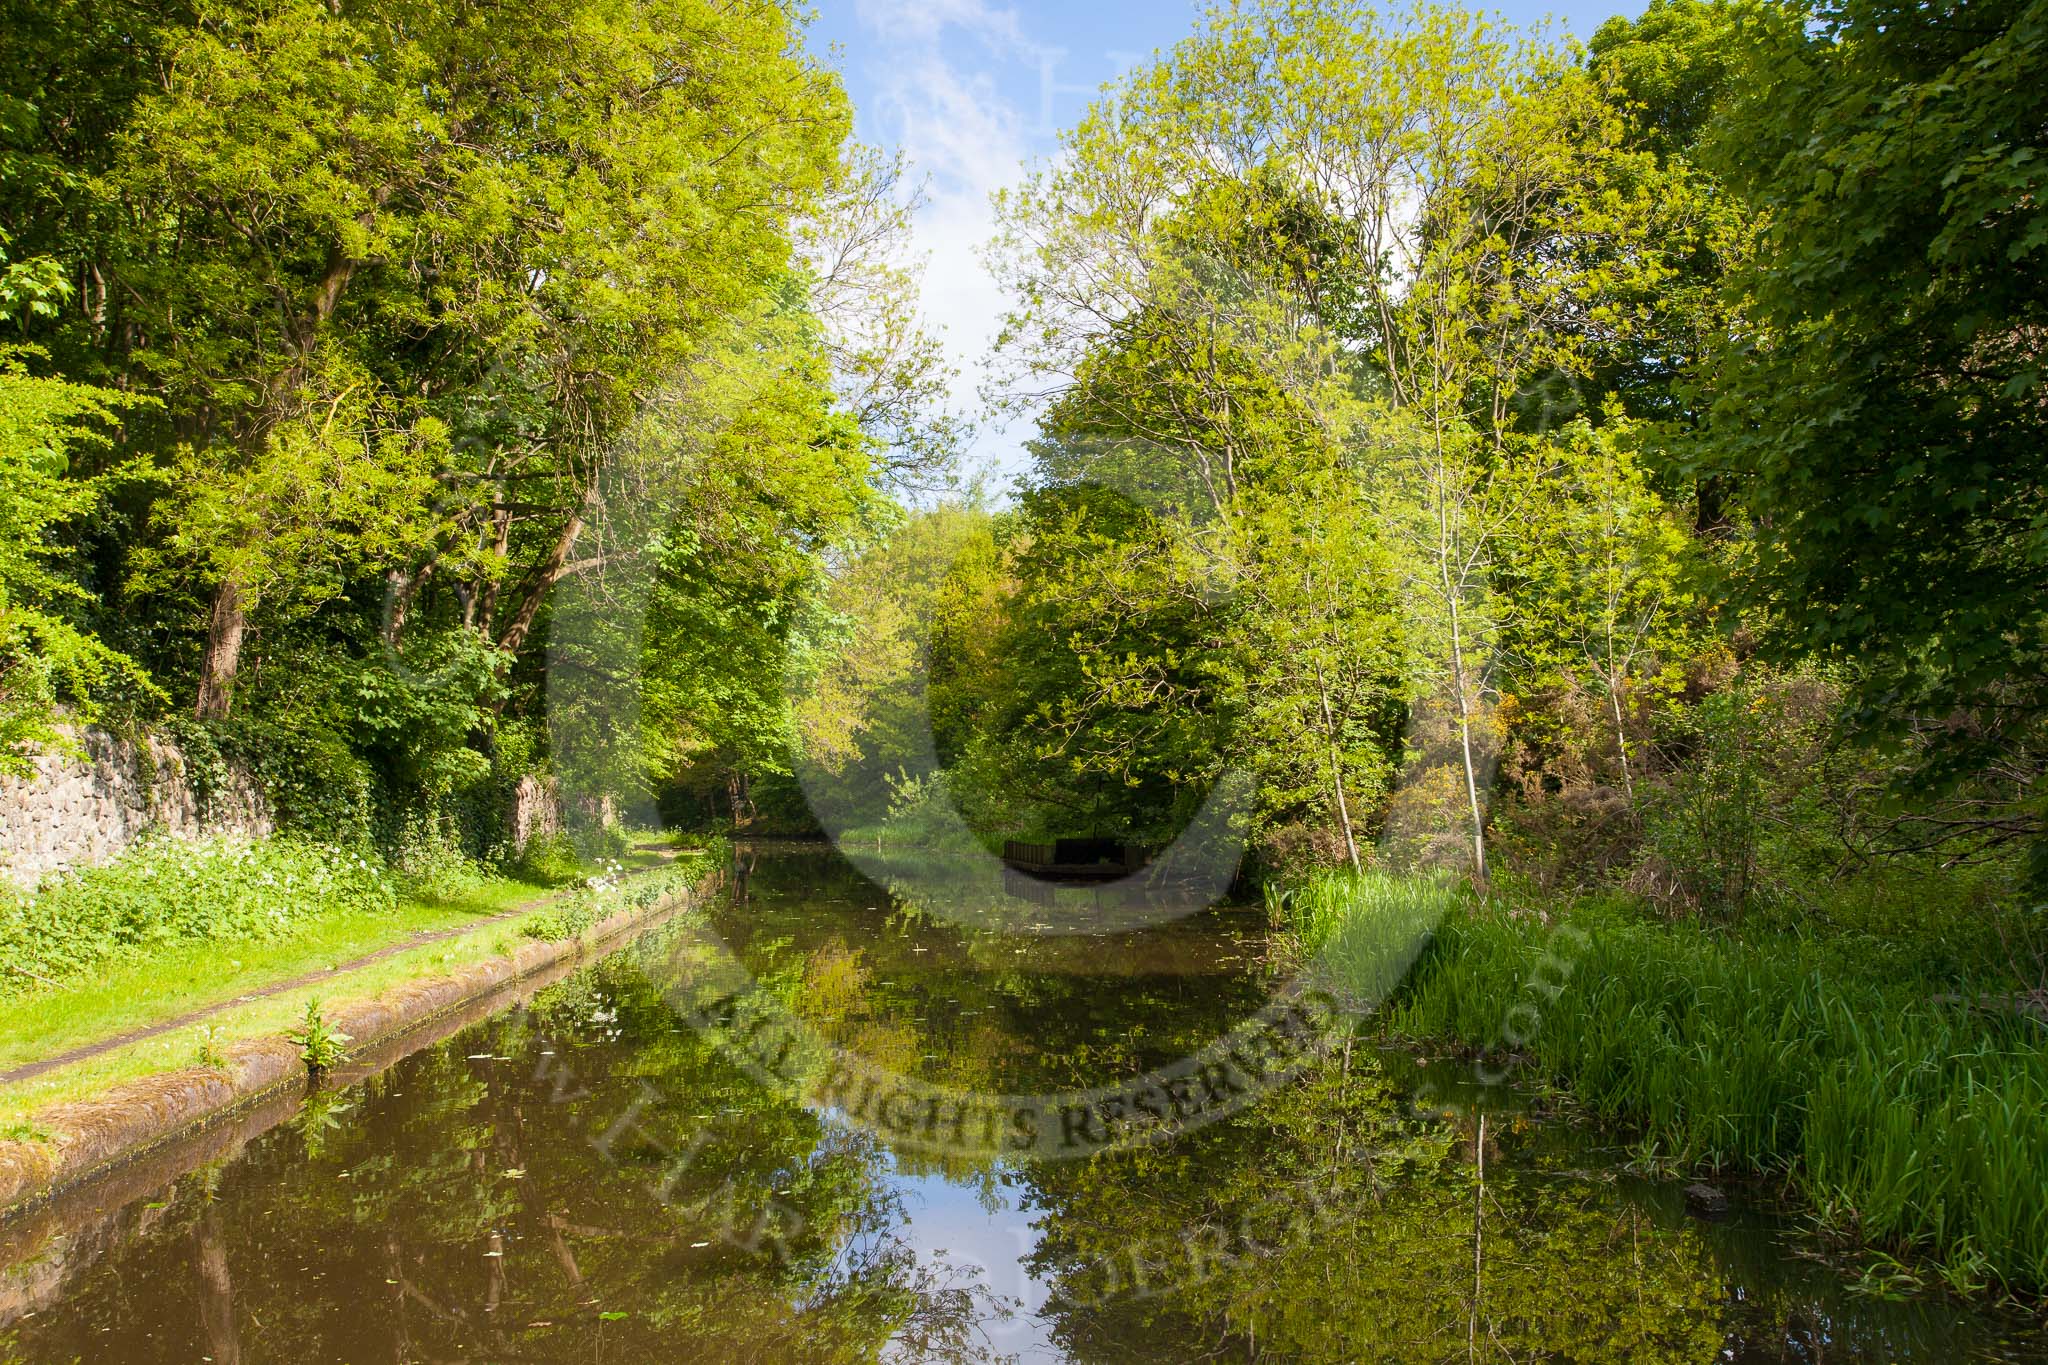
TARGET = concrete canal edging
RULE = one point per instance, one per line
(91, 1138)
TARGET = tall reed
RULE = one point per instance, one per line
(1361, 933)
(1918, 1125)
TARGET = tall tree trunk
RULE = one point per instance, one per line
(217, 1293)
(1628, 783)
(1337, 772)
(739, 794)
(542, 579)
(1465, 747)
(1478, 1245)
(225, 627)
(1453, 585)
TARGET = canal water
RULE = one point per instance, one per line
(601, 1175)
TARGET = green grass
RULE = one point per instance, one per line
(164, 892)
(1916, 1126)
(1360, 933)
(135, 992)
(139, 992)
(271, 1017)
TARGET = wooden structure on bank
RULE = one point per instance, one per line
(1074, 860)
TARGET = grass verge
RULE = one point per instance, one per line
(135, 993)
(127, 994)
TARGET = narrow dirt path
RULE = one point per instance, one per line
(30, 1070)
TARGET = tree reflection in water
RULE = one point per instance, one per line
(590, 1179)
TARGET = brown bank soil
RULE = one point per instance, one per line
(140, 1122)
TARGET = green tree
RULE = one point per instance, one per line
(1881, 403)
(1602, 585)
(1671, 72)
(1324, 651)
(1378, 275)
(373, 230)
(45, 656)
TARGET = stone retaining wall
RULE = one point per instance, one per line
(536, 811)
(83, 808)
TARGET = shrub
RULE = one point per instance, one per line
(549, 860)
(577, 911)
(428, 857)
(611, 890)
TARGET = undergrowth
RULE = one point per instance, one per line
(549, 859)
(429, 861)
(612, 891)
(170, 890)
(1360, 932)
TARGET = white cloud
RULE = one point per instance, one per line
(966, 137)
(914, 22)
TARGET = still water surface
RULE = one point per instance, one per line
(590, 1178)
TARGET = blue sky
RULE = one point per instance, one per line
(972, 90)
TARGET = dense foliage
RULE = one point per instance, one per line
(167, 891)
(1611, 472)
(369, 357)
(1625, 463)
(1511, 452)
(1614, 476)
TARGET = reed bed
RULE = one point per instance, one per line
(1361, 933)
(1917, 1125)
